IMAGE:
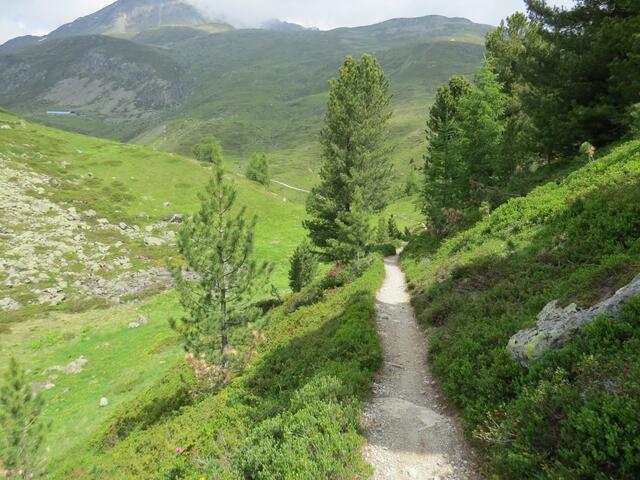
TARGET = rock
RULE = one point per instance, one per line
(90, 214)
(142, 319)
(167, 204)
(74, 367)
(411, 472)
(557, 325)
(103, 221)
(5, 127)
(134, 325)
(123, 226)
(7, 304)
(53, 296)
(104, 401)
(176, 218)
(153, 241)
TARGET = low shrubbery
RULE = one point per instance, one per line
(292, 413)
(574, 413)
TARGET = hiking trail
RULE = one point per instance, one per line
(411, 432)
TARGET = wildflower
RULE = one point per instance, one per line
(179, 450)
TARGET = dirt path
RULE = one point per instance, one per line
(410, 434)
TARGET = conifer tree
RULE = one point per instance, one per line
(353, 239)
(21, 426)
(217, 245)
(355, 153)
(303, 266)
(382, 231)
(208, 151)
(482, 127)
(258, 169)
(444, 170)
(392, 228)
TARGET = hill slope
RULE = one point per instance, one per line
(577, 240)
(86, 221)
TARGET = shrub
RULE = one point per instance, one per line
(317, 437)
(174, 390)
(386, 249)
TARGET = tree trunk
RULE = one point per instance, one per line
(223, 324)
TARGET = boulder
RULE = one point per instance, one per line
(153, 241)
(8, 304)
(557, 325)
(175, 218)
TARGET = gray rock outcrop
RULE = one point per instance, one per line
(557, 325)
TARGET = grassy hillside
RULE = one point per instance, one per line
(76, 215)
(574, 413)
(257, 90)
(278, 419)
(63, 199)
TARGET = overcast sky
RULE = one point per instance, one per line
(38, 17)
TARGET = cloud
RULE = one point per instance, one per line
(37, 17)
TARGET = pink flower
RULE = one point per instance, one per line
(179, 450)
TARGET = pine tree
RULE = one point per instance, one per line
(258, 169)
(303, 266)
(22, 429)
(444, 170)
(354, 148)
(392, 228)
(382, 231)
(217, 245)
(353, 239)
(209, 151)
(482, 127)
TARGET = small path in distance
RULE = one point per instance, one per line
(411, 434)
(290, 186)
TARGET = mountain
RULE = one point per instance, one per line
(276, 24)
(257, 90)
(124, 17)
(130, 16)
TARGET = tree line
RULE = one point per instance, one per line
(554, 83)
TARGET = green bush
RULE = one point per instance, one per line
(571, 415)
(317, 437)
(174, 390)
(386, 249)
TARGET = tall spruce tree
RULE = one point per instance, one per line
(444, 170)
(508, 49)
(588, 75)
(217, 245)
(22, 428)
(354, 233)
(355, 150)
(482, 128)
